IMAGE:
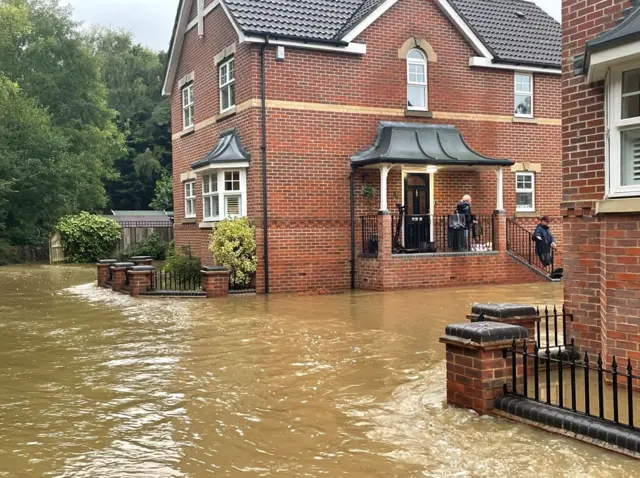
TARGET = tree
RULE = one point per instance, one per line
(163, 197)
(58, 137)
(133, 77)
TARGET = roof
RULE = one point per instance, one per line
(515, 31)
(228, 149)
(141, 217)
(415, 143)
(627, 30)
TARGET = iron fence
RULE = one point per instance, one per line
(370, 235)
(521, 245)
(551, 329)
(561, 374)
(175, 281)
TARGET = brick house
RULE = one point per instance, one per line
(348, 132)
(601, 179)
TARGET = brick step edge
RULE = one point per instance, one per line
(534, 269)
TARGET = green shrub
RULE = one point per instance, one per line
(88, 237)
(183, 262)
(153, 246)
(7, 254)
(171, 248)
(233, 244)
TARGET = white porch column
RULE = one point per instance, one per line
(200, 18)
(499, 203)
(384, 173)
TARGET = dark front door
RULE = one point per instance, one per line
(417, 221)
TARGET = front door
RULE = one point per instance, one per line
(417, 220)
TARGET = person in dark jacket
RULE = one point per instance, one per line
(464, 208)
(544, 241)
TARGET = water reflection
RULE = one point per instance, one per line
(96, 384)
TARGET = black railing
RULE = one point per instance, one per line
(520, 244)
(551, 329)
(370, 235)
(572, 385)
(174, 281)
(442, 233)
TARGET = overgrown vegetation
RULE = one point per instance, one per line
(233, 243)
(183, 262)
(153, 246)
(88, 237)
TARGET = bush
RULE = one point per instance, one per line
(7, 254)
(153, 246)
(184, 262)
(88, 237)
(233, 244)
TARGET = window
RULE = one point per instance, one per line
(187, 106)
(523, 95)
(525, 192)
(224, 195)
(417, 97)
(227, 86)
(190, 199)
(623, 128)
(210, 197)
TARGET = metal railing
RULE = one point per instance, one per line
(369, 235)
(520, 244)
(435, 233)
(577, 378)
(174, 281)
(551, 329)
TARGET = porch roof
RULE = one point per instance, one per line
(415, 143)
(228, 149)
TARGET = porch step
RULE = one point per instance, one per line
(533, 268)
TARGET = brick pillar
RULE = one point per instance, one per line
(142, 260)
(514, 314)
(476, 368)
(119, 275)
(140, 279)
(104, 266)
(385, 241)
(500, 232)
(215, 281)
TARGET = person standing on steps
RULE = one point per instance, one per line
(544, 241)
(464, 209)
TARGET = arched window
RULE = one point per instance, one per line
(417, 97)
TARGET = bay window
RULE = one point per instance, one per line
(210, 197)
(190, 199)
(224, 194)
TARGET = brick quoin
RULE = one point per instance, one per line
(308, 150)
(602, 252)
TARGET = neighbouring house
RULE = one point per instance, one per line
(601, 174)
(348, 131)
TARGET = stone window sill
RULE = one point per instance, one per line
(207, 224)
(418, 113)
(519, 119)
(618, 206)
(187, 131)
(226, 114)
(526, 214)
(188, 220)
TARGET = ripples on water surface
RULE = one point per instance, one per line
(95, 384)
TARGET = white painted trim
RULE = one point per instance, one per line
(601, 61)
(194, 23)
(222, 167)
(351, 48)
(532, 191)
(481, 62)
(464, 29)
(368, 20)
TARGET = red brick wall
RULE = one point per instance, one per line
(309, 151)
(599, 253)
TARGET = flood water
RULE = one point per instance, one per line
(101, 385)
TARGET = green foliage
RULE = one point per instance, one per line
(88, 237)
(368, 191)
(7, 254)
(183, 262)
(153, 246)
(233, 244)
(163, 196)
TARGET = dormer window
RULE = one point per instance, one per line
(417, 95)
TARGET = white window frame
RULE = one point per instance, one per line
(210, 195)
(531, 190)
(189, 197)
(425, 84)
(222, 193)
(188, 106)
(228, 84)
(614, 126)
(521, 92)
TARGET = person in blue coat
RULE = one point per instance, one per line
(544, 241)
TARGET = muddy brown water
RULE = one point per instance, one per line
(100, 385)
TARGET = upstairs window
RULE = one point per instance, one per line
(187, 106)
(417, 96)
(523, 95)
(227, 85)
(190, 199)
(525, 192)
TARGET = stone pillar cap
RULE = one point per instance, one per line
(142, 258)
(214, 269)
(123, 264)
(504, 310)
(107, 261)
(486, 332)
(142, 269)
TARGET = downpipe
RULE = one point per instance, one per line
(265, 215)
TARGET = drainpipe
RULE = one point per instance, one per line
(353, 228)
(265, 224)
